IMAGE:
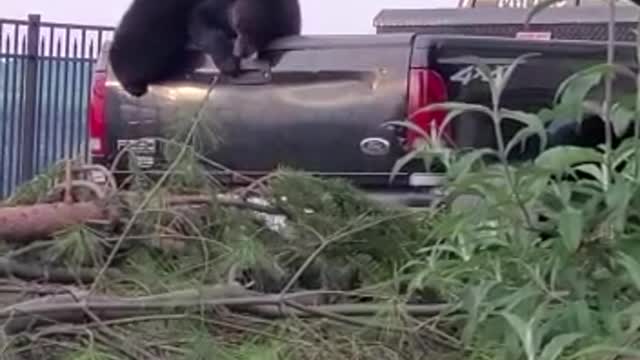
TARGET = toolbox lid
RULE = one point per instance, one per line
(490, 15)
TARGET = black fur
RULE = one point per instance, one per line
(211, 31)
(151, 41)
(230, 30)
(258, 22)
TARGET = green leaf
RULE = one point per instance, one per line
(404, 160)
(520, 138)
(624, 71)
(547, 115)
(571, 227)
(632, 319)
(618, 198)
(592, 108)
(537, 8)
(465, 164)
(502, 82)
(579, 84)
(572, 93)
(583, 315)
(624, 152)
(409, 125)
(627, 99)
(525, 333)
(562, 158)
(593, 170)
(621, 118)
(455, 106)
(453, 109)
(473, 300)
(512, 300)
(631, 310)
(557, 346)
(605, 351)
(576, 87)
(533, 126)
(442, 249)
(632, 267)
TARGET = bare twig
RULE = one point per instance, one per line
(327, 242)
(154, 190)
(178, 200)
(110, 179)
(608, 89)
(93, 187)
(67, 182)
(536, 9)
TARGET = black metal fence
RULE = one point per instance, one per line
(45, 81)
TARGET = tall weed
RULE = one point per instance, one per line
(542, 257)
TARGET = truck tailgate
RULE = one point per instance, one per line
(319, 108)
(532, 86)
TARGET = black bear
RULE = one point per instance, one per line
(211, 31)
(149, 42)
(152, 40)
(258, 22)
(230, 30)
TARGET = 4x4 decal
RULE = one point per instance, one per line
(470, 73)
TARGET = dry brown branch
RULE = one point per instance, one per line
(35, 272)
(97, 191)
(67, 182)
(223, 200)
(73, 308)
(109, 178)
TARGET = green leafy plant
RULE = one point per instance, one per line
(540, 255)
(534, 260)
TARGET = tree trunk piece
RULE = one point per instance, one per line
(35, 222)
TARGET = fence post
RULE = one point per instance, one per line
(30, 92)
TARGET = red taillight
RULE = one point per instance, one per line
(97, 126)
(426, 87)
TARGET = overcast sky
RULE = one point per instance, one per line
(319, 16)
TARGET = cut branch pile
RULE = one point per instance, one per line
(66, 268)
(74, 306)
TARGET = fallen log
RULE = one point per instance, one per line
(39, 221)
(34, 222)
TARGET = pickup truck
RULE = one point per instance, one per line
(320, 104)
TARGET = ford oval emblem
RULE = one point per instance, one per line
(375, 146)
